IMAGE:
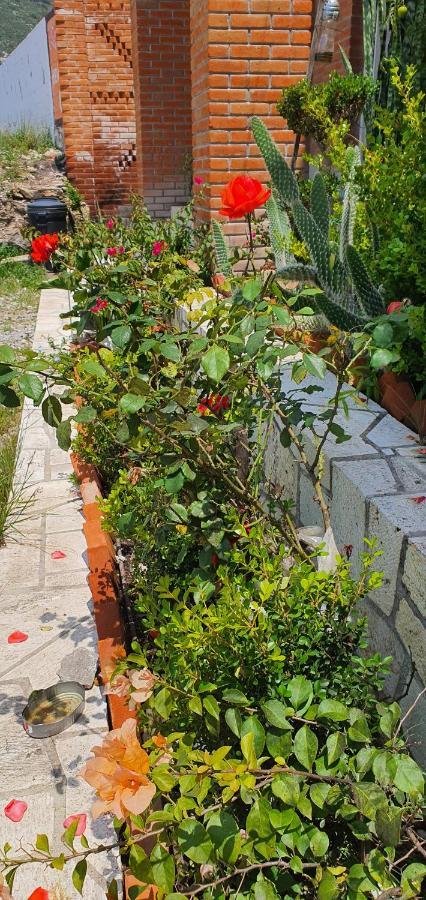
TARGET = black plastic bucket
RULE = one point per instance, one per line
(48, 215)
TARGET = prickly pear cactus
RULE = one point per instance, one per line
(282, 177)
(221, 249)
(279, 232)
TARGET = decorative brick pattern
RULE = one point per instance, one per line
(96, 80)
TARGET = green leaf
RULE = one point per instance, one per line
(42, 843)
(315, 365)
(408, 776)
(162, 778)
(265, 890)
(194, 841)
(163, 868)
(287, 789)
(51, 411)
(258, 823)
(384, 767)
(359, 731)
(131, 403)
(163, 703)
(328, 888)
(195, 705)
(224, 833)
(319, 843)
(412, 879)
(175, 482)
(86, 414)
(63, 434)
(79, 875)
(388, 825)
(92, 367)
(69, 835)
(58, 862)
(282, 316)
(112, 890)
(215, 363)
(121, 336)
(7, 355)
(279, 744)
(234, 721)
(300, 691)
(382, 358)
(335, 744)
(332, 709)
(318, 794)
(8, 397)
(31, 386)
(368, 798)
(305, 746)
(252, 288)
(275, 714)
(383, 334)
(253, 726)
(235, 697)
(170, 350)
(248, 750)
(212, 707)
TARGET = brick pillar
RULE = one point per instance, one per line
(96, 81)
(242, 53)
(163, 101)
(349, 35)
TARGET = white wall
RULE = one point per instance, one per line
(25, 84)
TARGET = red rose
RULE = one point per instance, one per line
(43, 246)
(242, 195)
(396, 304)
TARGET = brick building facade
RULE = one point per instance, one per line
(154, 90)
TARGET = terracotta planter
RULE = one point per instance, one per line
(397, 396)
(418, 417)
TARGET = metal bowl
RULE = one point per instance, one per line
(63, 702)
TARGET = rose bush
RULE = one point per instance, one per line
(262, 763)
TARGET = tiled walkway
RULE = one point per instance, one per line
(49, 600)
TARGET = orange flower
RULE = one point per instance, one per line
(120, 686)
(4, 890)
(118, 774)
(242, 195)
(143, 683)
(159, 741)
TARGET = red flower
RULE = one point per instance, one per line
(121, 249)
(242, 195)
(39, 894)
(215, 403)
(43, 246)
(214, 560)
(153, 633)
(110, 223)
(198, 180)
(396, 304)
(158, 247)
(99, 305)
(112, 251)
(17, 637)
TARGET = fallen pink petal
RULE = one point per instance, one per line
(17, 637)
(81, 818)
(418, 499)
(15, 810)
(58, 554)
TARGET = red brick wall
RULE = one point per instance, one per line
(96, 82)
(242, 52)
(161, 55)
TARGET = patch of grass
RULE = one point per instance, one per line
(17, 144)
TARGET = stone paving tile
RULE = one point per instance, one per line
(51, 602)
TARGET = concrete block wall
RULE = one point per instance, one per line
(25, 84)
(374, 483)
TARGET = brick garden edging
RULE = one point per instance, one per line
(103, 583)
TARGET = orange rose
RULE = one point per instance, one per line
(243, 195)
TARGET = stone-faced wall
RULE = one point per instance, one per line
(96, 82)
(375, 483)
